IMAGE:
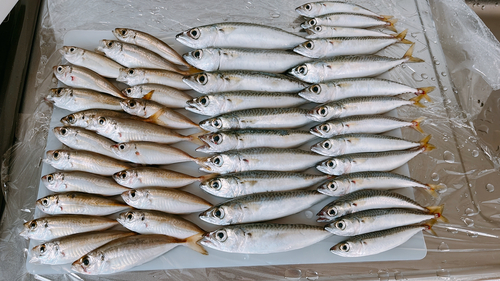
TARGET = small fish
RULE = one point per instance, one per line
(81, 139)
(378, 242)
(319, 8)
(137, 76)
(365, 200)
(77, 203)
(128, 252)
(349, 67)
(154, 222)
(359, 106)
(245, 183)
(351, 20)
(265, 159)
(149, 176)
(156, 113)
(360, 87)
(263, 238)
(81, 99)
(374, 124)
(236, 80)
(274, 61)
(238, 35)
(372, 161)
(80, 77)
(149, 42)
(242, 139)
(96, 62)
(150, 153)
(220, 103)
(82, 182)
(52, 227)
(258, 118)
(341, 46)
(166, 200)
(70, 248)
(261, 207)
(325, 31)
(84, 118)
(85, 161)
(349, 183)
(380, 219)
(161, 94)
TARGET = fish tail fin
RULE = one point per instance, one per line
(428, 227)
(191, 70)
(194, 138)
(391, 22)
(424, 92)
(433, 189)
(409, 55)
(401, 37)
(200, 162)
(416, 101)
(192, 242)
(209, 176)
(424, 143)
(437, 211)
(148, 95)
(415, 124)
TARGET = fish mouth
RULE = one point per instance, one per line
(25, 234)
(206, 168)
(78, 268)
(300, 50)
(323, 190)
(35, 259)
(192, 84)
(315, 132)
(311, 115)
(322, 168)
(329, 229)
(322, 217)
(205, 149)
(193, 107)
(317, 149)
(310, 31)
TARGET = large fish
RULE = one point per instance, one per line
(313, 9)
(161, 94)
(149, 176)
(96, 62)
(81, 139)
(82, 99)
(151, 153)
(77, 203)
(351, 20)
(137, 76)
(82, 182)
(85, 161)
(85, 118)
(325, 31)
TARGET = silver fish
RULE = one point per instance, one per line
(360, 87)
(265, 159)
(349, 183)
(235, 80)
(84, 118)
(154, 222)
(351, 20)
(220, 103)
(80, 77)
(258, 118)
(70, 248)
(81, 99)
(96, 62)
(128, 252)
(359, 106)
(156, 113)
(319, 8)
(238, 35)
(274, 61)
(149, 42)
(245, 183)
(82, 182)
(77, 203)
(371, 161)
(166, 200)
(150, 153)
(137, 76)
(81, 139)
(365, 200)
(263, 238)
(242, 139)
(149, 176)
(380, 219)
(161, 94)
(261, 207)
(48, 228)
(325, 31)
(349, 67)
(85, 161)
(374, 124)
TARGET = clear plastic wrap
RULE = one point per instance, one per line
(467, 246)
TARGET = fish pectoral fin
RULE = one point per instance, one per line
(148, 95)
(226, 29)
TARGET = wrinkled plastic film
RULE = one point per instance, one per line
(459, 162)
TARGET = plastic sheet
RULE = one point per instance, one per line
(467, 246)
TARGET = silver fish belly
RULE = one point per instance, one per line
(149, 176)
(96, 62)
(137, 76)
(350, 20)
(75, 203)
(81, 139)
(82, 182)
(161, 94)
(81, 99)
(85, 161)
(150, 153)
(324, 31)
(319, 8)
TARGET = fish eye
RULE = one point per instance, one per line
(121, 146)
(332, 212)
(345, 247)
(340, 225)
(129, 216)
(194, 33)
(302, 70)
(132, 193)
(59, 68)
(217, 138)
(197, 54)
(128, 90)
(42, 248)
(325, 128)
(217, 161)
(215, 184)
(123, 175)
(59, 91)
(124, 32)
(217, 123)
(131, 71)
(331, 164)
(315, 89)
(312, 22)
(326, 145)
(56, 155)
(219, 213)
(309, 45)
(63, 131)
(110, 44)
(317, 28)
(72, 49)
(221, 235)
(204, 101)
(102, 120)
(71, 118)
(131, 103)
(332, 186)
(202, 79)
(33, 224)
(85, 261)
(45, 202)
(308, 7)
(50, 178)
(322, 111)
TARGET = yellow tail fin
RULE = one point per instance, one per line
(190, 71)
(209, 176)
(409, 55)
(437, 211)
(192, 242)
(416, 101)
(424, 143)
(149, 95)
(415, 124)
(424, 91)
(401, 37)
(433, 189)
(391, 22)
(194, 138)
(429, 225)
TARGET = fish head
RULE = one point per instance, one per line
(205, 105)
(310, 9)
(330, 212)
(309, 23)
(331, 166)
(54, 182)
(127, 151)
(345, 249)
(128, 178)
(132, 76)
(49, 204)
(46, 253)
(77, 119)
(37, 229)
(92, 263)
(103, 125)
(329, 147)
(134, 92)
(219, 186)
(335, 187)
(63, 72)
(125, 34)
(219, 215)
(66, 134)
(343, 227)
(314, 93)
(133, 220)
(204, 82)
(217, 142)
(135, 107)
(72, 54)
(59, 159)
(198, 37)
(221, 164)
(214, 124)
(224, 239)
(311, 49)
(204, 59)
(136, 197)
(305, 72)
(110, 48)
(324, 112)
(317, 31)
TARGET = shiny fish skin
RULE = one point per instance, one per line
(245, 183)
(166, 200)
(238, 35)
(149, 176)
(242, 139)
(265, 159)
(82, 182)
(273, 61)
(261, 207)
(81, 99)
(77, 203)
(96, 62)
(161, 94)
(150, 153)
(235, 80)
(220, 103)
(154, 222)
(258, 118)
(85, 161)
(325, 31)
(137, 76)
(319, 8)
(79, 77)
(68, 249)
(48, 228)
(350, 20)
(84, 119)
(364, 200)
(263, 238)
(81, 139)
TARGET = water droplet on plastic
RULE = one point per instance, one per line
(448, 157)
(308, 214)
(483, 128)
(443, 274)
(275, 16)
(414, 34)
(435, 177)
(452, 230)
(403, 66)
(490, 187)
(383, 275)
(311, 275)
(469, 212)
(472, 234)
(443, 73)
(437, 62)
(293, 274)
(447, 101)
(475, 153)
(416, 77)
(445, 89)
(246, 257)
(468, 222)
(443, 247)
(482, 7)
(424, 76)
(433, 78)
